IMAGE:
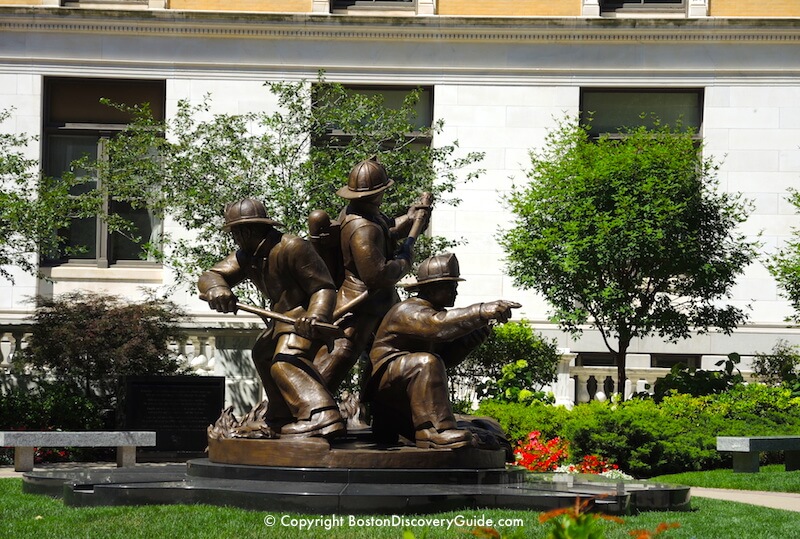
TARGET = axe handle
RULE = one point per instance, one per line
(264, 313)
(419, 217)
(330, 329)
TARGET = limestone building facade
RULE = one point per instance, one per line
(499, 73)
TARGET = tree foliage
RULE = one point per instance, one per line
(785, 264)
(293, 158)
(89, 340)
(630, 235)
(33, 208)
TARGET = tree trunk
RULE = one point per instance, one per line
(622, 352)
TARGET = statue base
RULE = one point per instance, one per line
(348, 491)
(353, 451)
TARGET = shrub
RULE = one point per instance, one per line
(51, 406)
(512, 365)
(90, 340)
(518, 419)
(779, 367)
(648, 438)
(48, 406)
(537, 455)
(682, 379)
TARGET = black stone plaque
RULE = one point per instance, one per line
(177, 408)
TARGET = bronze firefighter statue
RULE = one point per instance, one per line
(290, 273)
(416, 341)
(371, 263)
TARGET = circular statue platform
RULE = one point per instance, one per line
(349, 452)
(349, 490)
(351, 475)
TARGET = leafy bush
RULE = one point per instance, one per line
(512, 365)
(90, 340)
(782, 366)
(682, 379)
(519, 419)
(647, 438)
(539, 455)
(48, 406)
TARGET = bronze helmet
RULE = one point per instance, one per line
(443, 267)
(367, 178)
(246, 211)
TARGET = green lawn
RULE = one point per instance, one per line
(772, 478)
(27, 515)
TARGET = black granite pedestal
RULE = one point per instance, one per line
(348, 490)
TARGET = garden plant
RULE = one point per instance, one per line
(630, 235)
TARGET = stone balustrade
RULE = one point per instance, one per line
(225, 352)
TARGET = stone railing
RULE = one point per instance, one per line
(200, 351)
(197, 348)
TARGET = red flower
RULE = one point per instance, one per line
(538, 456)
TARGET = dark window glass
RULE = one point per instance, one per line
(595, 359)
(612, 110)
(667, 361)
(77, 125)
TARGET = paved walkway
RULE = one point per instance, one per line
(776, 500)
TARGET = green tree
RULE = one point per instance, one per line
(630, 235)
(89, 340)
(34, 208)
(785, 264)
(294, 159)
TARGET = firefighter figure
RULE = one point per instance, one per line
(416, 341)
(288, 271)
(372, 263)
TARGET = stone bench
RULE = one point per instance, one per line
(745, 450)
(126, 443)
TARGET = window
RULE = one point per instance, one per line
(611, 110)
(643, 5)
(595, 359)
(667, 361)
(393, 97)
(388, 5)
(77, 124)
(104, 4)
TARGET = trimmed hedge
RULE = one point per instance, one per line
(647, 439)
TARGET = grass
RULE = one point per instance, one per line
(771, 478)
(33, 516)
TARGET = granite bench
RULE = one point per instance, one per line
(126, 443)
(745, 450)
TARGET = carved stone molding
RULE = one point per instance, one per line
(315, 27)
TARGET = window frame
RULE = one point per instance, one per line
(699, 93)
(669, 6)
(373, 4)
(55, 127)
(427, 95)
(595, 359)
(668, 361)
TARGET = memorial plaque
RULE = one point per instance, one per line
(177, 408)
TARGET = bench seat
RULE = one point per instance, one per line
(745, 450)
(126, 443)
